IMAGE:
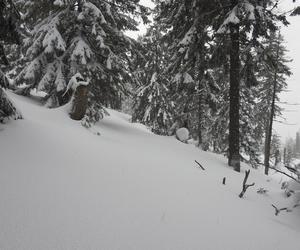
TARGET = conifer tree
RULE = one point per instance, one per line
(153, 105)
(247, 22)
(8, 35)
(188, 38)
(274, 72)
(85, 37)
(231, 25)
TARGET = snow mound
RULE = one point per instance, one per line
(182, 134)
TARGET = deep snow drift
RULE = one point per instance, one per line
(64, 187)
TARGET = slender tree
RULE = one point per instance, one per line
(276, 72)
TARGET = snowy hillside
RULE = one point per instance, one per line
(64, 187)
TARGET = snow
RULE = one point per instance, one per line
(59, 3)
(75, 81)
(88, 6)
(188, 37)
(182, 134)
(108, 62)
(81, 51)
(153, 78)
(53, 38)
(232, 18)
(187, 78)
(250, 10)
(62, 187)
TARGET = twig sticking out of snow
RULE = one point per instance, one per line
(245, 185)
(224, 181)
(278, 210)
(200, 165)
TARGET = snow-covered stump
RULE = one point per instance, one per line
(79, 103)
(182, 134)
(80, 97)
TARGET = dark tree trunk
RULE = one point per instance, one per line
(79, 2)
(79, 103)
(199, 74)
(200, 118)
(234, 92)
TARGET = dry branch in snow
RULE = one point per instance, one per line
(245, 185)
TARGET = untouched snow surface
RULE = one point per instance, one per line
(64, 187)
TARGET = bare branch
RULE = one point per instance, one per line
(245, 185)
(278, 210)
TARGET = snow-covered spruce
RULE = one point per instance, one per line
(8, 35)
(153, 106)
(207, 38)
(79, 36)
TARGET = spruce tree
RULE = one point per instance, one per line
(244, 22)
(153, 106)
(188, 38)
(274, 71)
(8, 35)
(205, 27)
(83, 37)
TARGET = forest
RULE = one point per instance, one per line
(208, 72)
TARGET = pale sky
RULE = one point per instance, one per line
(292, 36)
(292, 113)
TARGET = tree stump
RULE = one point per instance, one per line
(79, 102)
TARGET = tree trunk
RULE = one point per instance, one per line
(79, 103)
(269, 131)
(199, 75)
(284, 156)
(79, 2)
(234, 92)
(200, 120)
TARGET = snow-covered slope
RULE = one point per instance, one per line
(63, 187)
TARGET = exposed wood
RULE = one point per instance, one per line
(245, 185)
(200, 165)
(278, 210)
(224, 181)
(79, 103)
